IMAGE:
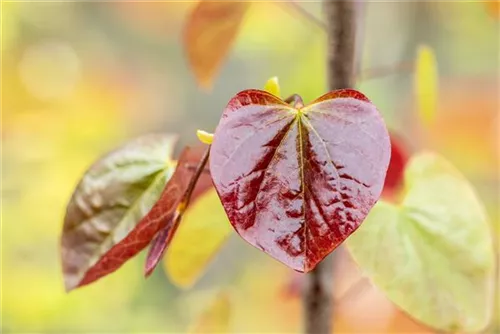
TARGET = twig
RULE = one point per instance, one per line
(192, 183)
(292, 5)
(381, 72)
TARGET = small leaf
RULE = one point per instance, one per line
(215, 319)
(432, 255)
(111, 252)
(113, 195)
(273, 87)
(163, 238)
(296, 182)
(426, 84)
(205, 225)
(205, 137)
(209, 34)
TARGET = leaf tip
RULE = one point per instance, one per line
(272, 86)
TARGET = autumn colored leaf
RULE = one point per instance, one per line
(296, 182)
(426, 83)
(395, 172)
(204, 225)
(92, 246)
(216, 318)
(164, 236)
(209, 34)
(432, 254)
(113, 195)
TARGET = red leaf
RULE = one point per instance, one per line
(296, 183)
(159, 217)
(395, 172)
(164, 236)
(209, 33)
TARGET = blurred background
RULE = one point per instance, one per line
(80, 78)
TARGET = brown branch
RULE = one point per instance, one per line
(341, 31)
(381, 72)
(292, 5)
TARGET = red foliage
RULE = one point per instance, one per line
(296, 183)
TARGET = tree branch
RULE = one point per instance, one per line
(341, 31)
(292, 5)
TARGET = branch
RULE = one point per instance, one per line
(341, 31)
(381, 72)
(292, 5)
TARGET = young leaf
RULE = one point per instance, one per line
(205, 137)
(426, 84)
(209, 33)
(432, 255)
(118, 246)
(296, 182)
(164, 237)
(205, 225)
(273, 87)
(113, 195)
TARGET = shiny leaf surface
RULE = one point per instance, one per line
(296, 182)
(121, 247)
(432, 254)
(203, 231)
(164, 237)
(209, 34)
(113, 195)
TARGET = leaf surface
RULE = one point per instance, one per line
(113, 195)
(109, 253)
(432, 255)
(209, 34)
(164, 237)
(203, 231)
(296, 182)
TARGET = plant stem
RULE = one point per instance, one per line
(192, 183)
(291, 4)
(341, 31)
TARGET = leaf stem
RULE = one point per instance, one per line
(295, 101)
(291, 4)
(192, 183)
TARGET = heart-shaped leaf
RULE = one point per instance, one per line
(113, 195)
(296, 182)
(209, 33)
(204, 225)
(432, 254)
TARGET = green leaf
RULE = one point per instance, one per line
(433, 253)
(113, 195)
